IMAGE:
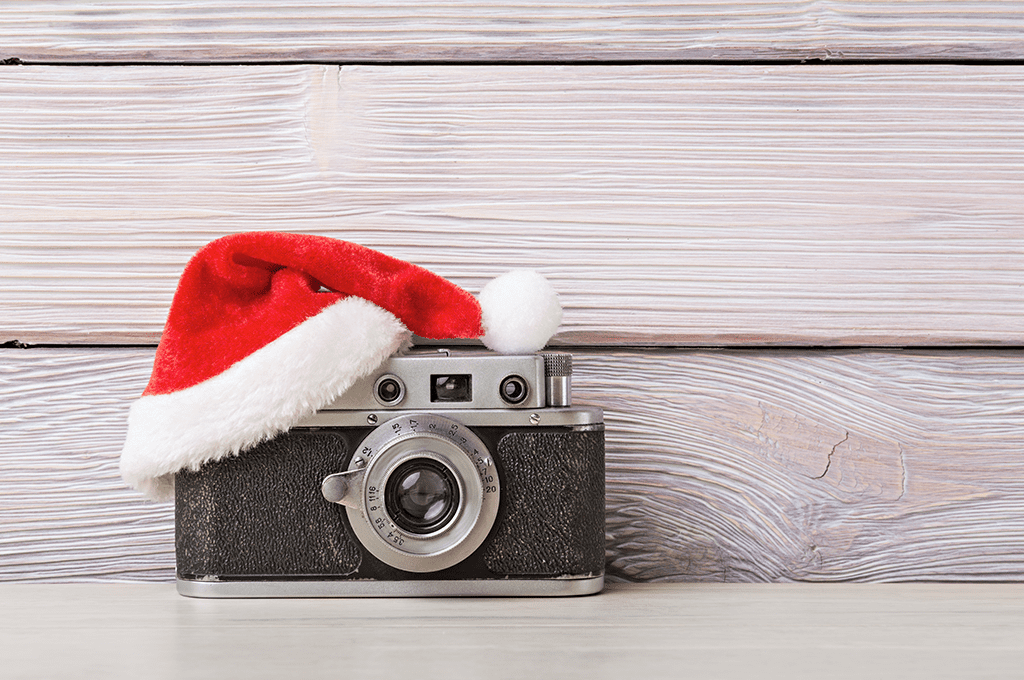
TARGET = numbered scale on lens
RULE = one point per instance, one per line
(427, 492)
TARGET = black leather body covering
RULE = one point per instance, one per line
(261, 516)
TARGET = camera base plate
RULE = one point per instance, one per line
(553, 587)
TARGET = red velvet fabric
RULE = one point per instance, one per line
(243, 291)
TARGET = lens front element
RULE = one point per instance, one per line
(421, 495)
(429, 493)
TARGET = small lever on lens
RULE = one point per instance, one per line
(341, 488)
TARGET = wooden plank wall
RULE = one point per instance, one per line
(789, 238)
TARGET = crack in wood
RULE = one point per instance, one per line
(830, 454)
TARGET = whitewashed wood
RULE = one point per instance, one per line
(676, 205)
(64, 512)
(479, 30)
(730, 466)
(904, 631)
(813, 466)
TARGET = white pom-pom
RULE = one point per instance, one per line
(520, 312)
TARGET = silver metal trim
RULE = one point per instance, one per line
(555, 587)
(415, 371)
(506, 417)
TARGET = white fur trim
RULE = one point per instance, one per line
(520, 312)
(260, 396)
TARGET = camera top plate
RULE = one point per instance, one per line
(449, 381)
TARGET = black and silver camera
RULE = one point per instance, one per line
(441, 474)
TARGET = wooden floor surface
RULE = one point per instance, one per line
(646, 631)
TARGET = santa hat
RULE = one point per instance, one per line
(266, 328)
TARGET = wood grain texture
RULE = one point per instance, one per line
(820, 467)
(189, 31)
(722, 466)
(64, 511)
(701, 205)
(651, 631)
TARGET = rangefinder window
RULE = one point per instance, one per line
(451, 388)
(389, 390)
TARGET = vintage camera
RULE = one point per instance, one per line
(441, 474)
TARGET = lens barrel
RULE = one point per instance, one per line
(426, 492)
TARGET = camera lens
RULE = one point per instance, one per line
(428, 493)
(421, 495)
(514, 389)
(389, 390)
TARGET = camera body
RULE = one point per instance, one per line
(439, 474)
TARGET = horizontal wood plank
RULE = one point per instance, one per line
(841, 205)
(722, 466)
(483, 30)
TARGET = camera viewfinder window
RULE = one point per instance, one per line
(451, 388)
